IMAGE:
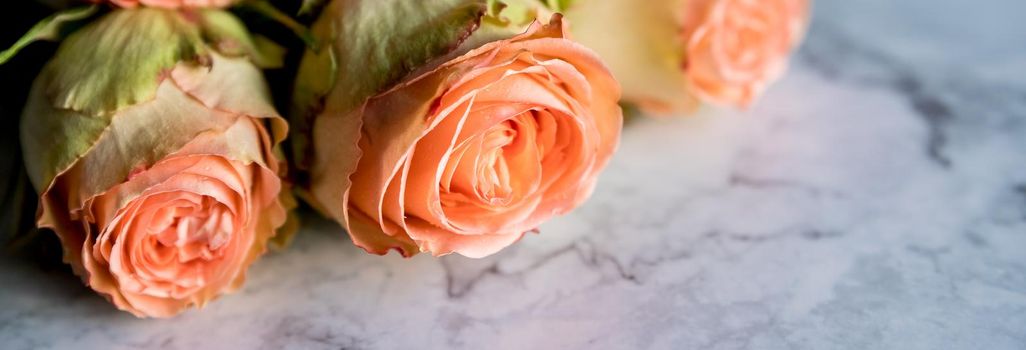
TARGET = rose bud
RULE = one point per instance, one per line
(670, 54)
(150, 136)
(491, 133)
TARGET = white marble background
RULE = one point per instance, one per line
(875, 199)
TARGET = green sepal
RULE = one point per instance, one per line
(116, 62)
(54, 27)
(119, 60)
(229, 36)
(368, 46)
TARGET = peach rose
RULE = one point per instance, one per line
(469, 155)
(174, 4)
(669, 55)
(160, 181)
(735, 48)
(181, 232)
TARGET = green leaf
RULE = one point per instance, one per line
(100, 150)
(368, 46)
(51, 28)
(120, 59)
(52, 138)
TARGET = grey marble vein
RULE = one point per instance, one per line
(874, 199)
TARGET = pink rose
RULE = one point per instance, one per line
(669, 55)
(155, 160)
(735, 48)
(468, 156)
(180, 232)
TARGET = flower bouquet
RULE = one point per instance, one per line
(166, 162)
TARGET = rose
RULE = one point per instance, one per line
(173, 4)
(669, 54)
(470, 152)
(154, 162)
(735, 48)
(181, 232)
(153, 158)
(509, 135)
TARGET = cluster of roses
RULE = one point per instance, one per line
(442, 126)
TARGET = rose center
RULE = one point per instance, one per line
(493, 173)
(191, 231)
(499, 165)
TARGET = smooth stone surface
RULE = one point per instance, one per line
(874, 199)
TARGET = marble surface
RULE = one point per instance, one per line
(875, 199)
